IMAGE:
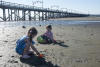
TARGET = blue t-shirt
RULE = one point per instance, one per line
(21, 44)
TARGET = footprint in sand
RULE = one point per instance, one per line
(7, 35)
(91, 34)
(12, 61)
(13, 40)
(98, 60)
(62, 54)
(79, 60)
(67, 40)
(0, 55)
(72, 28)
(40, 25)
(23, 27)
(12, 56)
(85, 26)
(5, 41)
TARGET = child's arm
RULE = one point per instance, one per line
(35, 49)
(27, 41)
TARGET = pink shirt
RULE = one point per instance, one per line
(49, 34)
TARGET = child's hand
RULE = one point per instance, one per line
(40, 55)
(54, 41)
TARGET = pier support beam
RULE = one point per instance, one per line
(34, 15)
(42, 15)
(50, 15)
(45, 15)
(23, 15)
(8, 14)
(15, 14)
(4, 14)
(29, 15)
(39, 16)
(53, 15)
(18, 15)
(11, 15)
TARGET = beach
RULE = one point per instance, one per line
(80, 48)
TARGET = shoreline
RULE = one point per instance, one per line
(79, 18)
(54, 22)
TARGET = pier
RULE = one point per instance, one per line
(19, 12)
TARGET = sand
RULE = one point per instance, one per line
(81, 47)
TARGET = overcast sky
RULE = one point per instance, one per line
(85, 6)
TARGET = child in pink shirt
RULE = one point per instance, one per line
(48, 35)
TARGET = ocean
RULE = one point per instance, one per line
(42, 23)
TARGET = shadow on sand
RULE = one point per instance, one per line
(37, 62)
(60, 43)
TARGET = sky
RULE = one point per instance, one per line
(82, 6)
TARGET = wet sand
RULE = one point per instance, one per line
(80, 18)
(81, 47)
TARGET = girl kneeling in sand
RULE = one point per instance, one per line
(47, 37)
(24, 43)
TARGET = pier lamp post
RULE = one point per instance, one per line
(64, 9)
(35, 2)
(42, 3)
(55, 6)
(1, 2)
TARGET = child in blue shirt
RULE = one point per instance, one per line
(24, 44)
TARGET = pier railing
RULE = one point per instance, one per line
(26, 7)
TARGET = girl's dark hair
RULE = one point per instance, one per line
(49, 26)
(32, 31)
